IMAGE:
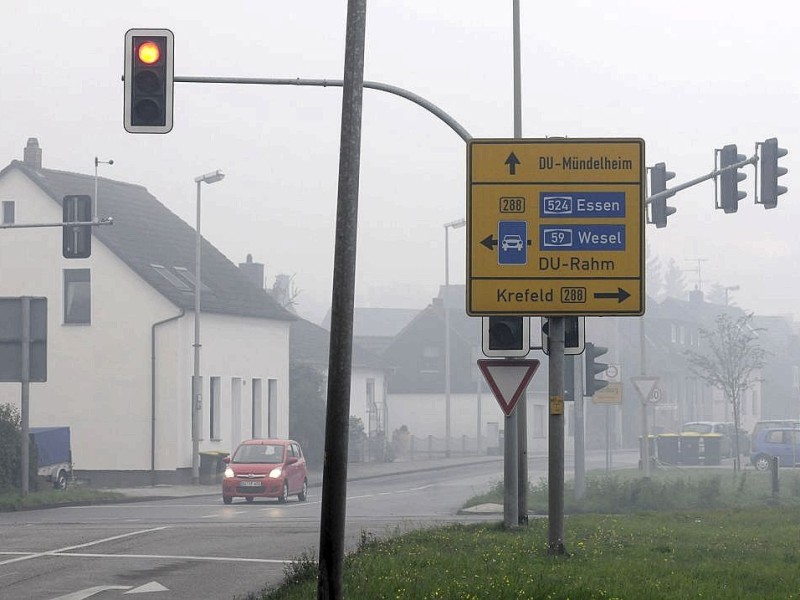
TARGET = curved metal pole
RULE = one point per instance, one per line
(375, 85)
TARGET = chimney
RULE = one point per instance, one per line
(32, 156)
(254, 271)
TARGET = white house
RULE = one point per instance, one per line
(121, 330)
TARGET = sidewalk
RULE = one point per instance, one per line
(357, 471)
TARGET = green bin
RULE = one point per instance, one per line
(712, 449)
(690, 448)
(211, 466)
(668, 448)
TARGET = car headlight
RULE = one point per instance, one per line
(276, 472)
(229, 472)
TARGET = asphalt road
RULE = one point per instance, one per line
(197, 548)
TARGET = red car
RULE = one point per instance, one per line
(265, 469)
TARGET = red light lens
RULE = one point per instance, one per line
(148, 52)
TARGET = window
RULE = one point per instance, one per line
(257, 409)
(214, 411)
(77, 296)
(272, 408)
(8, 212)
(173, 279)
(189, 276)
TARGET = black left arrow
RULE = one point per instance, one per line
(512, 161)
(489, 241)
(620, 295)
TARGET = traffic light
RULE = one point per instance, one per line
(770, 171)
(729, 194)
(149, 73)
(659, 211)
(77, 239)
(506, 336)
(593, 368)
(574, 328)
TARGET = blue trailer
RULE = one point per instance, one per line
(55, 454)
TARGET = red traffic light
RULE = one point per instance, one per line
(148, 52)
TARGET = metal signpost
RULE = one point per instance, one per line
(23, 358)
(556, 228)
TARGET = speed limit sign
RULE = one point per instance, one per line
(655, 395)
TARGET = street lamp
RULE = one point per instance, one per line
(197, 384)
(458, 224)
(98, 162)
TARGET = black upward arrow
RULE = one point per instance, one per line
(620, 295)
(489, 241)
(512, 161)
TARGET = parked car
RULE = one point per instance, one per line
(265, 469)
(783, 442)
(762, 425)
(727, 430)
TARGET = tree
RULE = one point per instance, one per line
(674, 285)
(11, 452)
(307, 410)
(730, 362)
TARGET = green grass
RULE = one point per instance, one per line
(684, 533)
(667, 489)
(13, 500)
(728, 553)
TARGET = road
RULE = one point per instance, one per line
(197, 548)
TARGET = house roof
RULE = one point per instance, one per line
(310, 343)
(147, 233)
(377, 322)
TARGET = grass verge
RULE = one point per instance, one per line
(727, 553)
(11, 501)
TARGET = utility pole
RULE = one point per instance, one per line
(555, 467)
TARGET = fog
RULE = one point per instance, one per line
(686, 77)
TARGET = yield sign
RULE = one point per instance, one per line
(508, 378)
(644, 385)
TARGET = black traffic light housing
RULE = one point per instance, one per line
(729, 194)
(593, 368)
(659, 211)
(770, 171)
(149, 75)
(77, 239)
(506, 336)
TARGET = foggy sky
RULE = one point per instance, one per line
(687, 77)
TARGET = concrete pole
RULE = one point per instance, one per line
(447, 433)
(330, 580)
(197, 386)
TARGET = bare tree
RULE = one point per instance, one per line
(730, 362)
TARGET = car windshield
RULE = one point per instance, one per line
(696, 428)
(259, 453)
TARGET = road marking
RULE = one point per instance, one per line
(87, 544)
(276, 561)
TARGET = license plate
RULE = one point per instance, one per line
(250, 483)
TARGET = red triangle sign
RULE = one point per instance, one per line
(508, 378)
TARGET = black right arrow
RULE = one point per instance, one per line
(512, 161)
(620, 295)
(489, 241)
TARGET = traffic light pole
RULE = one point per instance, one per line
(555, 467)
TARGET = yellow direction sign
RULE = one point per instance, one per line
(556, 227)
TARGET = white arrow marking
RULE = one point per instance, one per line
(153, 586)
(89, 592)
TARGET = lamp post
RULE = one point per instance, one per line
(197, 384)
(458, 224)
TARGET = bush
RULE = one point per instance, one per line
(10, 451)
